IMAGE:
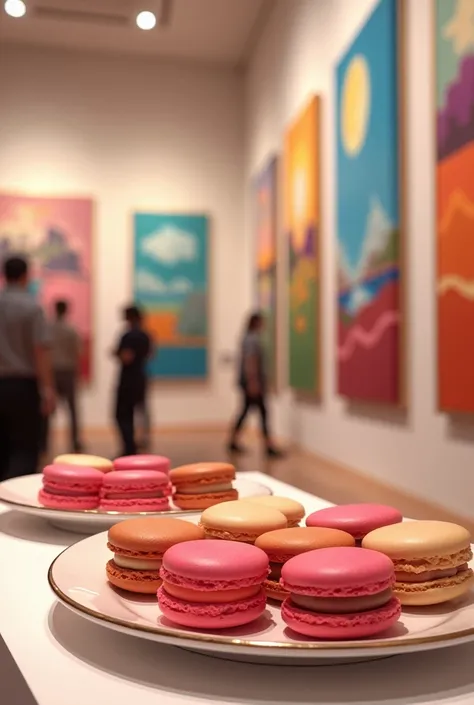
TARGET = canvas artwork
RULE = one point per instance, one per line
(454, 42)
(369, 214)
(266, 260)
(56, 235)
(302, 230)
(171, 282)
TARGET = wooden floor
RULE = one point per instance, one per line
(306, 471)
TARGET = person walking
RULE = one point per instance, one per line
(66, 347)
(253, 385)
(133, 352)
(26, 381)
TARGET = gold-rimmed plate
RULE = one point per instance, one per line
(21, 494)
(77, 577)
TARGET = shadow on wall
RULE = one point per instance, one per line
(461, 428)
(387, 415)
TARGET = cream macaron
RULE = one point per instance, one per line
(84, 460)
(240, 521)
(294, 511)
(430, 557)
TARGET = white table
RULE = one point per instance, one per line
(68, 661)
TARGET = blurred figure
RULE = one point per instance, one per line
(133, 351)
(66, 347)
(253, 384)
(26, 381)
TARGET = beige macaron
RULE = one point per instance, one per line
(240, 521)
(84, 460)
(294, 511)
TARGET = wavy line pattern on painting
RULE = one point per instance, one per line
(453, 282)
(458, 201)
(359, 337)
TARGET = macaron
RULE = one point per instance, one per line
(138, 546)
(156, 463)
(430, 558)
(201, 485)
(357, 519)
(340, 593)
(213, 584)
(282, 545)
(71, 488)
(83, 460)
(240, 521)
(135, 491)
(294, 511)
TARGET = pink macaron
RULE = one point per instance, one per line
(135, 491)
(340, 593)
(71, 488)
(356, 519)
(213, 584)
(156, 463)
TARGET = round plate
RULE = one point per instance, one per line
(21, 493)
(77, 576)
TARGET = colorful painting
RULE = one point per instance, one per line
(369, 212)
(171, 282)
(266, 260)
(454, 41)
(56, 236)
(302, 228)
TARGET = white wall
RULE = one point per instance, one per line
(135, 135)
(425, 452)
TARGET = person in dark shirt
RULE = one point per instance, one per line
(133, 352)
(253, 384)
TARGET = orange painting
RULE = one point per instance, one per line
(455, 206)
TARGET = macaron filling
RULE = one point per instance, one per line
(204, 488)
(152, 494)
(71, 491)
(136, 563)
(186, 593)
(342, 605)
(428, 575)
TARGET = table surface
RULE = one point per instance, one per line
(67, 660)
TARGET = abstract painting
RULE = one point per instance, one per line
(266, 260)
(171, 282)
(369, 212)
(56, 236)
(454, 42)
(302, 231)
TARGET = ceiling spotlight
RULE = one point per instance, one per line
(15, 8)
(146, 20)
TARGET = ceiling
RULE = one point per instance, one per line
(216, 31)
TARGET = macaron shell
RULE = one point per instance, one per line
(275, 591)
(70, 474)
(241, 518)
(357, 519)
(283, 544)
(418, 539)
(135, 506)
(145, 582)
(198, 615)
(143, 462)
(203, 501)
(84, 460)
(294, 511)
(151, 536)
(341, 627)
(434, 592)
(68, 502)
(202, 472)
(123, 480)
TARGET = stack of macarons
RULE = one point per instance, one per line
(241, 521)
(138, 546)
(70, 488)
(135, 491)
(201, 485)
(213, 584)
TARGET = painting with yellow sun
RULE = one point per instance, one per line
(302, 229)
(369, 211)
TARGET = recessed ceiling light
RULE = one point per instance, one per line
(146, 20)
(15, 8)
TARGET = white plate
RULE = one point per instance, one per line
(77, 576)
(21, 493)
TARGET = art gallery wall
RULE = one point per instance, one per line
(134, 135)
(422, 451)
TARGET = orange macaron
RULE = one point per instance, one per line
(201, 485)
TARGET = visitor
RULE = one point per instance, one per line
(253, 385)
(66, 347)
(133, 352)
(26, 381)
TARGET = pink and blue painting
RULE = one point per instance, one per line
(369, 212)
(171, 282)
(55, 234)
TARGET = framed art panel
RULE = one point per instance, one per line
(454, 59)
(56, 236)
(171, 282)
(302, 232)
(266, 252)
(370, 211)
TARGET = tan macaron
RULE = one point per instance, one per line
(430, 558)
(240, 521)
(294, 511)
(84, 460)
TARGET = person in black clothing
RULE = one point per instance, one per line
(253, 384)
(133, 351)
